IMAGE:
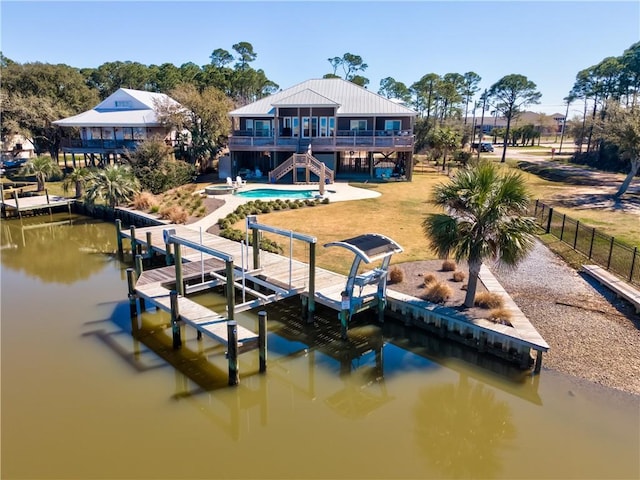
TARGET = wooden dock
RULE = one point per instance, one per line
(152, 286)
(19, 205)
(621, 288)
(286, 277)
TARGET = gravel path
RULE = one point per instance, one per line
(592, 334)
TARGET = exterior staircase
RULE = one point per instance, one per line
(301, 160)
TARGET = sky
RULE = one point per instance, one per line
(547, 41)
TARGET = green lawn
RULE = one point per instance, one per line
(399, 212)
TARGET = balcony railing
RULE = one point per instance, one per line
(343, 138)
(100, 144)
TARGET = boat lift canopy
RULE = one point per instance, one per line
(369, 247)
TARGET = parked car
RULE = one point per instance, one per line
(484, 147)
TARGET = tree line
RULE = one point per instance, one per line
(35, 94)
(607, 133)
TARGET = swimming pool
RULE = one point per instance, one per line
(278, 193)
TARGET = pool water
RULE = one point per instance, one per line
(278, 193)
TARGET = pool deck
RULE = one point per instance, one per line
(342, 192)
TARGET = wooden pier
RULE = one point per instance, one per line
(272, 277)
(19, 205)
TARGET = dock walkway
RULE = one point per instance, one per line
(288, 277)
(39, 202)
(153, 286)
(617, 285)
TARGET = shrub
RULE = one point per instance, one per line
(429, 278)
(500, 315)
(232, 234)
(175, 214)
(438, 292)
(489, 300)
(459, 276)
(144, 201)
(449, 266)
(396, 275)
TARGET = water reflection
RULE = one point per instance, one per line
(399, 404)
(462, 429)
(54, 248)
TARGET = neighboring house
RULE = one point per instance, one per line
(352, 131)
(121, 121)
(16, 148)
(552, 123)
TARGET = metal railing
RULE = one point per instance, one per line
(99, 143)
(301, 161)
(346, 138)
(604, 250)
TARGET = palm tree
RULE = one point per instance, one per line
(114, 184)
(78, 178)
(43, 168)
(482, 220)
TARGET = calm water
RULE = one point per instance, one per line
(277, 193)
(84, 398)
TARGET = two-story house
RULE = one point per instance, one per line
(355, 133)
(121, 121)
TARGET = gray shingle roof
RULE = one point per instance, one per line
(352, 99)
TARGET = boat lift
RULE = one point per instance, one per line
(371, 285)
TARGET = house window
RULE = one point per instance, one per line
(295, 125)
(286, 127)
(124, 104)
(332, 126)
(394, 125)
(359, 125)
(324, 126)
(263, 128)
(309, 127)
(306, 121)
(249, 125)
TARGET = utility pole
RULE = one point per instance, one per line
(564, 125)
(484, 104)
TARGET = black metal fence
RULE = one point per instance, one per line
(600, 248)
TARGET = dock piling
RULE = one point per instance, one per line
(175, 316)
(131, 284)
(230, 290)
(232, 353)
(311, 305)
(139, 271)
(149, 245)
(179, 277)
(262, 340)
(119, 237)
(138, 264)
(538, 365)
(134, 243)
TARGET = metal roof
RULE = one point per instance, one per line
(305, 98)
(352, 99)
(369, 246)
(123, 108)
(95, 118)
